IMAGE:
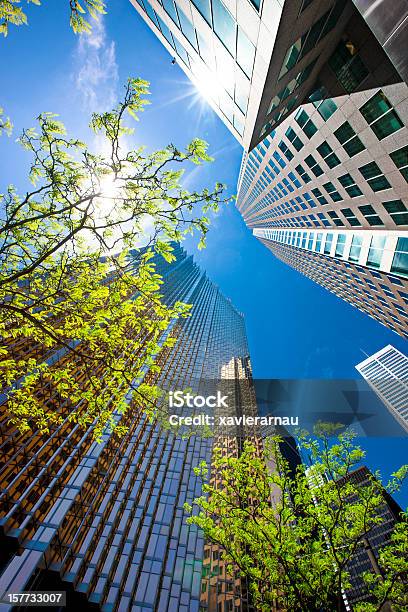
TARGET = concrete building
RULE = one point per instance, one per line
(327, 193)
(105, 521)
(387, 374)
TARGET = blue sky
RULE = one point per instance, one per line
(296, 329)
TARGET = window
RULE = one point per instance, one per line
(302, 173)
(376, 251)
(350, 186)
(341, 243)
(318, 243)
(313, 165)
(279, 159)
(332, 191)
(187, 28)
(245, 53)
(325, 108)
(348, 66)
(380, 116)
(400, 261)
(320, 197)
(347, 137)
(285, 150)
(337, 221)
(307, 125)
(204, 8)
(326, 152)
(400, 159)
(350, 216)
(224, 26)
(355, 248)
(171, 10)
(397, 211)
(294, 139)
(294, 180)
(328, 244)
(311, 37)
(369, 213)
(374, 177)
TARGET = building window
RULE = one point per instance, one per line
(355, 248)
(400, 159)
(376, 251)
(285, 150)
(340, 245)
(370, 214)
(347, 137)
(203, 7)
(397, 211)
(311, 37)
(380, 116)
(313, 165)
(400, 261)
(337, 221)
(294, 139)
(302, 173)
(307, 125)
(350, 216)
(318, 243)
(348, 66)
(245, 53)
(350, 186)
(332, 191)
(171, 11)
(318, 194)
(328, 244)
(224, 26)
(325, 108)
(374, 177)
(326, 152)
(187, 28)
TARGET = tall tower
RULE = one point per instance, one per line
(387, 374)
(257, 61)
(327, 193)
(105, 521)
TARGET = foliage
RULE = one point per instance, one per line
(80, 324)
(11, 12)
(293, 535)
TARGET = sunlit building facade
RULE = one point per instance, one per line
(387, 374)
(327, 193)
(105, 521)
(256, 61)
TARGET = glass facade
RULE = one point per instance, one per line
(107, 519)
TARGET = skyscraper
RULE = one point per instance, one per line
(257, 61)
(327, 193)
(365, 559)
(105, 521)
(387, 374)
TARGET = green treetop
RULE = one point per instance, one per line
(12, 12)
(78, 326)
(293, 536)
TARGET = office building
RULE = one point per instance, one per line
(327, 193)
(105, 521)
(256, 61)
(387, 374)
(367, 553)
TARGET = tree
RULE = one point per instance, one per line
(11, 12)
(293, 537)
(79, 325)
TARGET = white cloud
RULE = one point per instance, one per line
(96, 69)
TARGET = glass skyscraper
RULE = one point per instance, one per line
(105, 521)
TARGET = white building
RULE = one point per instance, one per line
(387, 374)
